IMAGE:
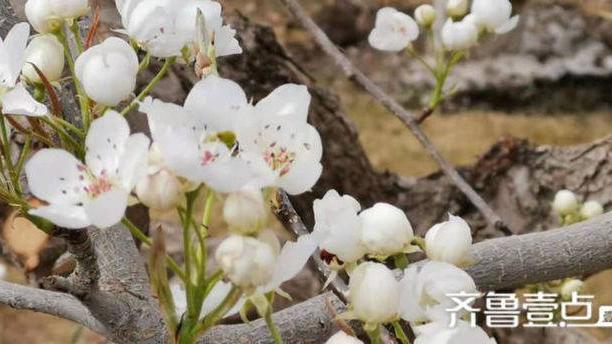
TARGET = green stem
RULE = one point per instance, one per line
(6, 151)
(160, 75)
(217, 314)
(399, 332)
(138, 234)
(272, 327)
(77, 35)
(374, 335)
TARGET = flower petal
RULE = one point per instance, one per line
(303, 175)
(66, 216)
(108, 208)
(133, 163)
(289, 101)
(291, 260)
(225, 42)
(510, 25)
(15, 44)
(54, 175)
(19, 102)
(106, 142)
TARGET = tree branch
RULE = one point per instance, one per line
(406, 117)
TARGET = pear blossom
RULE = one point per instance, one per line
(374, 293)
(393, 30)
(336, 218)
(460, 35)
(385, 230)
(570, 287)
(449, 242)
(198, 140)
(159, 189)
(258, 265)
(48, 15)
(425, 15)
(14, 98)
(46, 53)
(440, 333)
(108, 71)
(95, 193)
(494, 15)
(245, 211)
(591, 209)
(456, 8)
(425, 290)
(342, 338)
(565, 202)
(165, 27)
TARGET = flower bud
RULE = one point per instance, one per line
(69, 9)
(374, 293)
(42, 17)
(460, 35)
(565, 202)
(386, 230)
(449, 241)
(591, 209)
(46, 53)
(343, 338)
(393, 30)
(425, 15)
(245, 211)
(246, 261)
(108, 71)
(569, 287)
(456, 8)
(160, 191)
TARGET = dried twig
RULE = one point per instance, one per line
(406, 117)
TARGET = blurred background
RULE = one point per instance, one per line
(549, 81)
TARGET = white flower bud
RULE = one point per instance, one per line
(246, 261)
(343, 338)
(245, 211)
(161, 190)
(494, 15)
(591, 209)
(460, 35)
(42, 17)
(456, 8)
(108, 71)
(565, 202)
(449, 241)
(374, 293)
(425, 15)
(70, 9)
(393, 30)
(386, 230)
(569, 287)
(46, 53)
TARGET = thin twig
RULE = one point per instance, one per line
(406, 117)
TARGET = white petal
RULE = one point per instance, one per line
(164, 116)
(15, 44)
(66, 216)
(303, 175)
(216, 296)
(289, 101)
(133, 163)
(225, 42)
(410, 295)
(221, 102)
(105, 143)
(291, 260)
(108, 208)
(508, 26)
(54, 175)
(19, 102)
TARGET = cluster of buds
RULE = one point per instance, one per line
(570, 210)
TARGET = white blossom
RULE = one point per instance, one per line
(425, 290)
(108, 71)
(565, 202)
(159, 189)
(456, 8)
(591, 209)
(393, 30)
(14, 98)
(569, 287)
(494, 15)
(165, 27)
(460, 35)
(214, 298)
(385, 230)
(46, 53)
(337, 220)
(95, 193)
(48, 15)
(425, 15)
(449, 241)
(462, 333)
(342, 338)
(245, 211)
(374, 293)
